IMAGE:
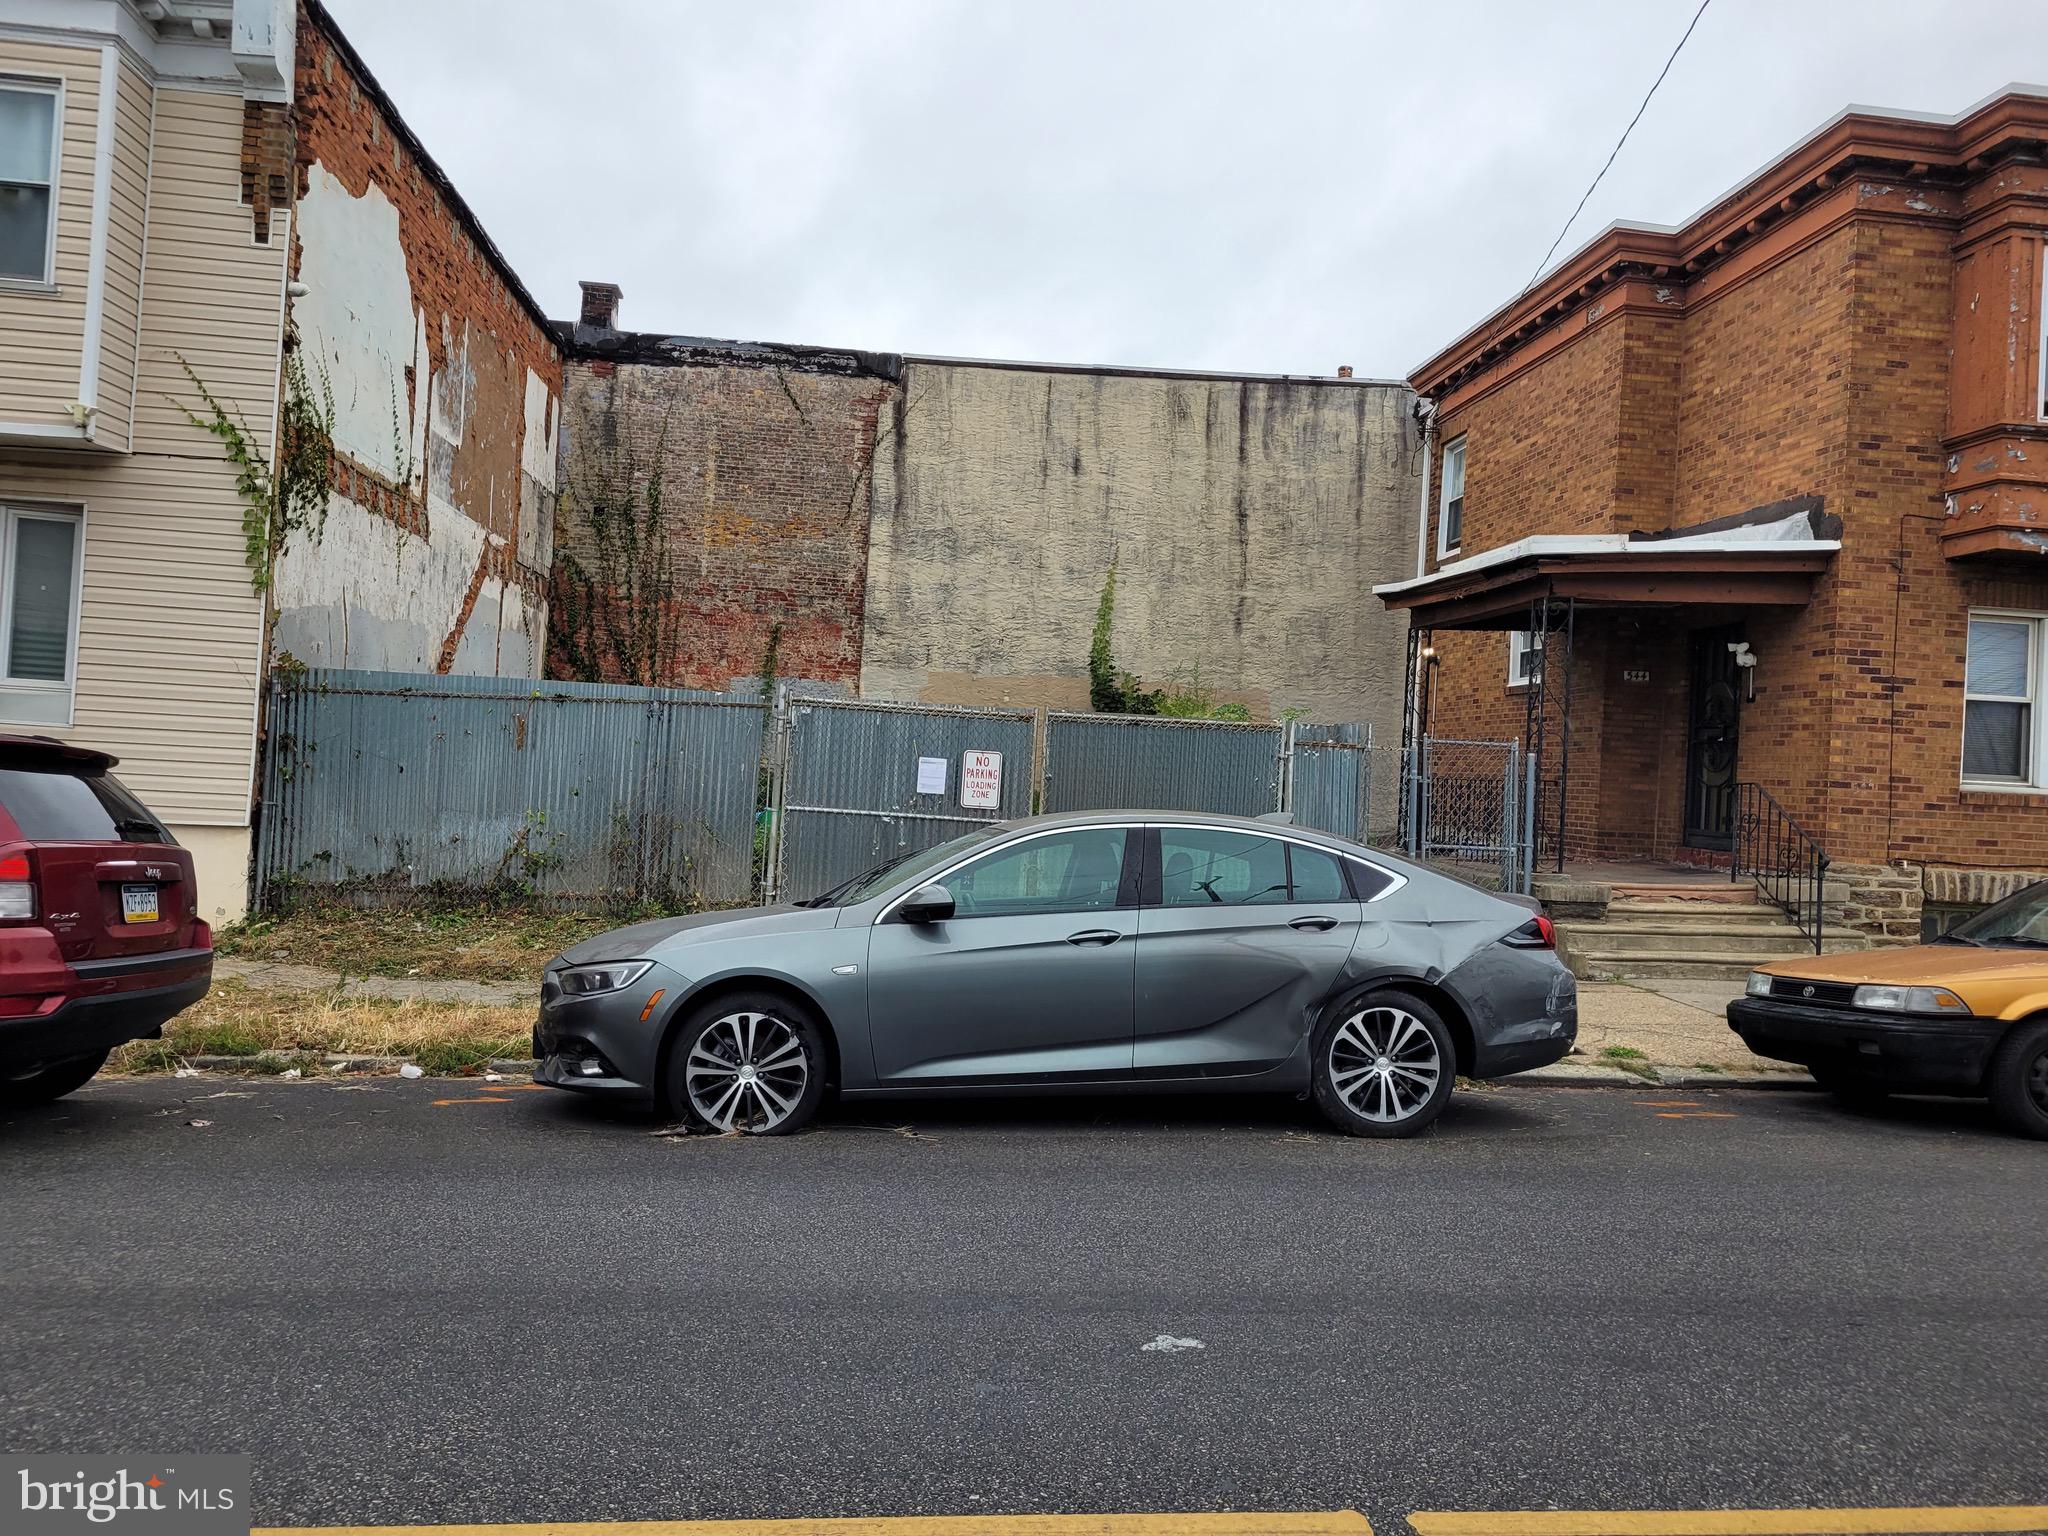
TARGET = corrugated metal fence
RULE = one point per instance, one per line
(381, 785)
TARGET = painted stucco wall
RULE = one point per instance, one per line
(1248, 519)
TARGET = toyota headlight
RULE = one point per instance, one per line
(612, 976)
(1759, 984)
(1910, 999)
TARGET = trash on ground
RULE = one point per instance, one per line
(409, 1070)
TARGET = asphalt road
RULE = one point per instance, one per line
(516, 1306)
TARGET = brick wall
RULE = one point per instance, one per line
(435, 550)
(706, 506)
(1825, 373)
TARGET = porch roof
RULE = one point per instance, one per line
(1731, 565)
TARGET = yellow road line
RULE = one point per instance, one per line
(1332, 1522)
(1735, 1522)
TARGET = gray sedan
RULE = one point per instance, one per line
(1112, 952)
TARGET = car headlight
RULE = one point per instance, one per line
(612, 976)
(1759, 984)
(1910, 999)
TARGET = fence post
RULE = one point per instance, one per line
(778, 791)
(1508, 860)
(1528, 822)
(1285, 786)
(1041, 737)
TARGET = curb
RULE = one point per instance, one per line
(1657, 1077)
(337, 1064)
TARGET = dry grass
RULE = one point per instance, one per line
(238, 1020)
(478, 943)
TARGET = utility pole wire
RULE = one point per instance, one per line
(1696, 15)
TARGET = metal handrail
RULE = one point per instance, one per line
(1787, 863)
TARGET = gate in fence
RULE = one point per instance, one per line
(858, 784)
(1473, 804)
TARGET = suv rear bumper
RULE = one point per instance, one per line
(82, 1026)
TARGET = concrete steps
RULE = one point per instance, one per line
(1705, 932)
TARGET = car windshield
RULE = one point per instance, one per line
(2018, 922)
(904, 866)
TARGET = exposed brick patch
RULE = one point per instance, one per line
(763, 522)
(269, 146)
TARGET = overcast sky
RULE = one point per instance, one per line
(1269, 188)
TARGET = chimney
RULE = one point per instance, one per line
(1343, 371)
(601, 306)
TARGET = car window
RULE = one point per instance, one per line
(56, 806)
(1316, 875)
(1217, 866)
(1369, 880)
(906, 866)
(1075, 871)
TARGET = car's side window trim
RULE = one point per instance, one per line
(1131, 831)
(1151, 896)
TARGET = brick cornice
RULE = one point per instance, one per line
(1930, 155)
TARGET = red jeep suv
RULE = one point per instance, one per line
(98, 939)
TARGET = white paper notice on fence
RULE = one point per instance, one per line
(981, 780)
(931, 775)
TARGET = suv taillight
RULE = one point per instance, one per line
(17, 887)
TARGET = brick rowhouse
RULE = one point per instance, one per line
(1848, 347)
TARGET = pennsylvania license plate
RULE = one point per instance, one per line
(139, 904)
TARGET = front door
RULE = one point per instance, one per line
(1030, 979)
(1710, 754)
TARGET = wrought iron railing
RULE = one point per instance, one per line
(1789, 867)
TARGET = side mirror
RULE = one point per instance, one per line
(927, 904)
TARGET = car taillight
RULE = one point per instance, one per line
(1537, 933)
(17, 887)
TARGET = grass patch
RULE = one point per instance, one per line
(277, 1030)
(483, 942)
(1628, 1058)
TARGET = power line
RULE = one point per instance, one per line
(1696, 15)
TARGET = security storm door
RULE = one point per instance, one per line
(1710, 754)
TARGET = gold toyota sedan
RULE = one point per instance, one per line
(1966, 1014)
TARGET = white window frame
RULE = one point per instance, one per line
(54, 89)
(1520, 644)
(1454, 451)
(14, 691)
(2035, 779)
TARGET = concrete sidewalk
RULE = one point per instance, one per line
(277, 977)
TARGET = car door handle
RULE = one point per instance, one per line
(1094, 936)
(1320, 924)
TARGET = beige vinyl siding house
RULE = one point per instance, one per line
(155, 653)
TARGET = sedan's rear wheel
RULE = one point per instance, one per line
(753, 1063)
(2018, 1080)
(49, 1082)
(1384, 1065)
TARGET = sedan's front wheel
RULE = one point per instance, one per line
(753, 1063)
(1384, 1065)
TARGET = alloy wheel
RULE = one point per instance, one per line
(1384, 1064)
(2037, 1081)
(747, 1072)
